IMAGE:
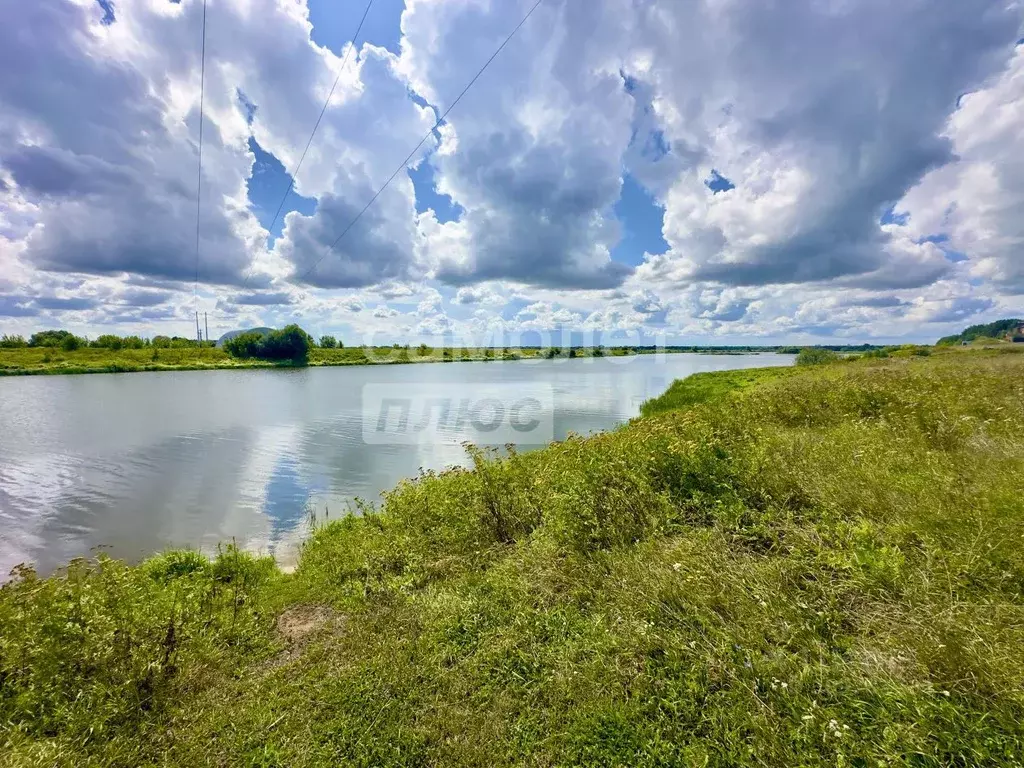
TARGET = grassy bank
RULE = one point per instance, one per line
(816, 567)
(30, 361)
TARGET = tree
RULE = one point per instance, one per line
(291, 343)
(48, 338)
(70, 343)
(245, 345)
(328, 342)
(108, 341)
(12, 342)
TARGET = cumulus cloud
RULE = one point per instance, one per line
(973, 206)
(105, 157)
(263, 298)
(533, 156)
(481, 294)
(371, 128)
(821, 115)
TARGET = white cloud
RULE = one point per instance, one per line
(977, 201)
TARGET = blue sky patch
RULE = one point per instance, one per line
(641, 218)
(268, 182)
(108, 12)
(427, 196)
(334, 22)
(891, 217)
(716, 182)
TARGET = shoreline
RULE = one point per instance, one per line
(125, 364)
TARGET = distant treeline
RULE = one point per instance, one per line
(293, 344)
(69, 342)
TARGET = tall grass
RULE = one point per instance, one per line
(820, 566)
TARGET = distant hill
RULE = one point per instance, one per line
(231, 334)
(1000, 330)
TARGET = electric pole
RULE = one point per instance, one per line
(206, 322)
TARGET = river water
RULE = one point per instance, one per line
(138, 462)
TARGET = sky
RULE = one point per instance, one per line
(678, 171)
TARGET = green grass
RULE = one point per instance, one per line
(816, 566)
(706, 387)
(45, 360)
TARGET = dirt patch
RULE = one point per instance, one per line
(300, 624)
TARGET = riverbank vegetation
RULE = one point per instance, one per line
(258, 350)
(820, 565)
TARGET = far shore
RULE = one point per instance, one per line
(46, 361)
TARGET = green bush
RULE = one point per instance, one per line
(108, 341)
(816, 356)
(245, 345)
(328, 342)
(97, 651)
(12, 342)
(48, 338)
(291, 344)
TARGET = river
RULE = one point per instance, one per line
(134, 463)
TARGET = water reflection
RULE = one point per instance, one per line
(136, 463)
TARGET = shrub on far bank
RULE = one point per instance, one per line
(48, 338)
(291, 343)
(113, 342)
(178, 342)
(816, 356)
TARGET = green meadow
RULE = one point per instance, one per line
(816, 566)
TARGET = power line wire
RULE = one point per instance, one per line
(440, 120)
(199, 184)
(295, 171)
